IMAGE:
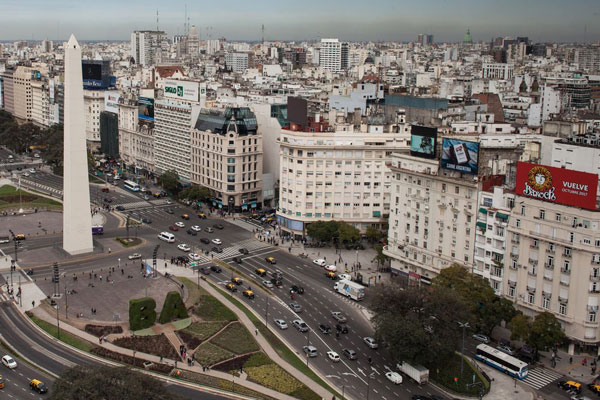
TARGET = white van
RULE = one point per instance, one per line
(167, 237)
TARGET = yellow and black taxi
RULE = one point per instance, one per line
(237, 280)
(260, 271)
(185, 216)
(20, 236)
(331, 275)
(231, 287)
(248, 293)
(38, 386)
(570, 386)
(201, 215)
(1, 382)
(270, 260)
(594, 387)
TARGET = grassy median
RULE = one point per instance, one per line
(64, 336)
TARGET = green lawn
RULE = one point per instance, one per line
(209, 354)
(236, 339)
(204, 330)
(64, 336)
(194, 291)
(450, 369)
(10, 197)
(208, 380)
(211, 309)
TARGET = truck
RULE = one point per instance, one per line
(418, 373)
(98, 230)
(350, 289)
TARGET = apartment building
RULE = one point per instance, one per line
(93, 101)
(226, 157)
(333, 55)
(40, 106)
(23, 100)
(502, 71)
(136, 139)
(148, 48)
(238, 62)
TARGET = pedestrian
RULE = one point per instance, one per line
(571, 360)
(100, 340)
(256, 332)
(33, 303)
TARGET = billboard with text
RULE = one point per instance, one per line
(460, 155)
(146, 108)
(182, 90)
(423, 141)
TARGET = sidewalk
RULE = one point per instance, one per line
(31, 294)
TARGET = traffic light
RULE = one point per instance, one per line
(55, 273)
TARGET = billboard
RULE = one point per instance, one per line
(95, 74)
(557, 185)
(111, 102)
(297, 111)
(460, 155)
(182, 90)
(91, 70)
(146, 108)
(422, 141)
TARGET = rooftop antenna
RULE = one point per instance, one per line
(185, 22)
(157, 20)
(188, 26)
(263, 33)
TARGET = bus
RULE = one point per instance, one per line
(97, 230)
(134, 187)
(502, 361)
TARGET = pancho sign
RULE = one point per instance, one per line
(557, 185)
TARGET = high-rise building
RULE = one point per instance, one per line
(148, 47)
(94, 105)
(8, 90)
(333, 55)
(238, 62)
(497, 71)
(136, 138)
(23, 101)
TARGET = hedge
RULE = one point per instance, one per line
(173, 308)
(142, 313)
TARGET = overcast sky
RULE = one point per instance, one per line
(352, 20)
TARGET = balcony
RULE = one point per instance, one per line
(563, 300)
(514, 255)
(567, 255)
(512, 283)
(549, 265)
(565, 270)
(548, 277)
(594, 290)
(532, 271)
(530, 289)
(533, 262)
(594, 277)
(595, 261)
(515, 241)
(513, 266)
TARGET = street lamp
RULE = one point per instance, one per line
(463, 325)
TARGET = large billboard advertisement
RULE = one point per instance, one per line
(146, 108)
(111, 102)
(423, 141)
(557, 185)
(182, 90)
(460, 155)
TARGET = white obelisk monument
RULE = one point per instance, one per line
(77, 217)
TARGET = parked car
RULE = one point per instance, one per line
(173, 228)
(320, 262)
(297, 289)
(217, 241)
(482, 338)
(394, 377)
(300, 325)
(218, 226)
(281, 324)
(147, 220)
(192, 232)
(331, 268)
(506, 349)
(295, 307)
(195, 228)
(350, 354)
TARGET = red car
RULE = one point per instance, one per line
(173, 228)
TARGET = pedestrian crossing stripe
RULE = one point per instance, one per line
(537, 378)
(234, 250)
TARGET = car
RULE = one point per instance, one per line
(244, 250)
(215, 268)
(248, 293)
(295, 307)
(173, 228)
(331, 275)
(134, 256)
(20, 236)
(209, 230)
(205, 271)
(237, 259)
(9, 362)
(36, 155)
(105, 190)
(201, 215)
(219, 226)
(147, 220)
(281, 324)
(26, 174)
(347, 277)
(179, 224)
(333, 356)
(205, 240)
(570, 386)
(169, 202)
(192, 232)
(594, 388)
(270, 260)
(331, 268)
(107, 200)
(350, 354)
(217, 241)
(183, 247)
(339, 317)
(506, 349)
(481, 338)
(268, 284)
(310, 351)
(38, 386)
(231, 287)
(260, 271)
(193, 256)
(185, 216)
(300, 325)
(369, 341)
(196, 228)
(341, 328)
(32, 171)
(120, 208)
(394, 377)
(216, 249)
(320, 262)
(237, 280)
(326, 329)
(169, 211)
(297, 289)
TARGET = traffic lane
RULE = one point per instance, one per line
(17, 380)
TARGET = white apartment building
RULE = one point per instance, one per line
(136, 139)
(22, 93)
(40, 105)
(238, 62)
(226, 157)
(94, 104)
(432, 218)
(148, 47)
(339, 175)
(580, 152)
(502, 71)
(330, 55)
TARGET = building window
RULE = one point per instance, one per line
(558, 217)
(531, 298)
(522, 210)
(562, 309)
(592, 316)
(511, 291)
(542, 214)
(546, 303)
(518, 223)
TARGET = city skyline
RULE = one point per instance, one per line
(551, 21)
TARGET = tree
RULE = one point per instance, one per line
(53, 138)
(380, 257)
(322, 231)
(347, 233)
(541, 333)
(520, 327)
(195, 193)
(169, 180)
(418, 325)
(99, 383)
(373, 234)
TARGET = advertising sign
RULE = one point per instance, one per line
(182, 90)
(557, 185)
(146, 108)
(423, 141)
(460, 155)
(111, 102)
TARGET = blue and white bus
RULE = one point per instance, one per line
(134, 187)
(502, 361)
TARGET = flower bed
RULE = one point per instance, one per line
(102, 352)
(211, 309)
(209, 354)
(236, 339)
(158, 345)
(101, 330)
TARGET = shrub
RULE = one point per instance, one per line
(102, 330)
(236, 339)
(172, 308)
(142, 313)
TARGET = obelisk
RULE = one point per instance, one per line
(77, 217)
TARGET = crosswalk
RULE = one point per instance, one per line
(540, 377)
(4, 297)
(251, 244)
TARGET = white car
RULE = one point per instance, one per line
(9, 362)
(369, 341)
(394, 377)
(169, 202)
(281, 324)
(180, 224)
(32, 171)
(331, 268)
(320, 262)
(193, 256)
(217, 241)
(333, 356)
(268, 284)
(134, 256)
(196, 228)
(26, 174)
(347, 277)
(183, 247)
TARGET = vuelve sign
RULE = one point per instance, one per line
(557, 185)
